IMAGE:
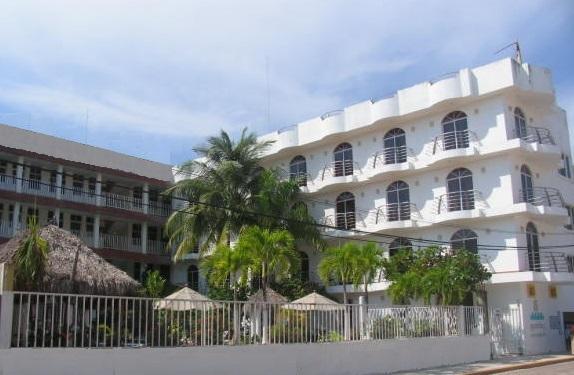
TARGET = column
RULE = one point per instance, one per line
(19, 174)
(99, 189)
(57, 216)
(144, 237)
(145, 198)
(59, 175)
(16, 218)
(97, 231)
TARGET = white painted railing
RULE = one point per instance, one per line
(157, 247)
(64, 320)
(6, 230)
(118, 242)
(79, 195)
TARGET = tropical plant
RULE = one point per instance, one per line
(272, 254)
(30, 257)
(449, 277)
(154, 284)
(225, 181)
(366, 265)
(338, 265)
(227, 266)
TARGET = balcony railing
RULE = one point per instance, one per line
(395, 212)
(532, 134)
(542, 196)
(457, 139)
(78, 195)
(118, 242)
(157, 247)
(340, 169)
(458, 201)
(6, 229)
(550, 261)
(7, 182)
(391, 155)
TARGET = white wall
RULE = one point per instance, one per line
(316, 359)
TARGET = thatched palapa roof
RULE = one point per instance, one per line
(272, 296)
(72, 267)
(186, 299)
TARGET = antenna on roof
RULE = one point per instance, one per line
(517, 51)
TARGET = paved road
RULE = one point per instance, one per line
(559, 369)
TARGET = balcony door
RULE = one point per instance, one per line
(533, 248)
(343, 156)
(455, 131)
(345, 211)
(395, 144)
(460, 190)
(527, 191)
(519, 123)
(398, 201)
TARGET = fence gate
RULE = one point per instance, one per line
(506, 333)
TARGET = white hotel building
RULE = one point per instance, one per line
(479, 158)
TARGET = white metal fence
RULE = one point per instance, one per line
(67, 320)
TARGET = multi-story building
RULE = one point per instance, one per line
(478, 159)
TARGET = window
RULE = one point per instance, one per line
(53, 181)
(298, 170)
(460, 190)
(137, 194)
(92, 185)
(527, 191)
(136, 234)
(533, 248)
(395, 146)
(455, 130)
(152, 233)
(304, 266)
(90, 226)
(35, 178)
(193, 277)
(343, 155)
(76, 224)
(519, 124)
(78, 184)
(398, 244)
(61, 220)
(398, 201)
(3, 169)
(570, 210)
(566, 169)
(345, 215)
(464, 239)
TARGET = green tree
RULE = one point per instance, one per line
(366, 266)
(225, 179)
(433, 272)
(154, 284)
(227, 267)
(30, 258)
(338, 265)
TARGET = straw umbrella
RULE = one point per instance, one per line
(322, 312)
(185, 299)
(254, 307)
(72, 267)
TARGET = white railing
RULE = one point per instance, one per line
(159, 209)
(157, 247)
(118, 242)
(533, 134)
(122, 202)
(79, 195)
(541, 196)
(65, 320)
(6, 229)
(7, 182)
(38, 188)
(458, 201)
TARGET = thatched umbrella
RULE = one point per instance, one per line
(185, 299)
(314, 302)
(272, 296)
(72, 267)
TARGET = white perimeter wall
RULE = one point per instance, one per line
(331, 359)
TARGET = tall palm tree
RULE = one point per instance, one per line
(226, 265)
(338, 265)
(272, 254)
(31, 256)
(224, 181)
(368, 260)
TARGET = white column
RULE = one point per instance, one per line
(19, 174)
(59, 175)
(99, 189)
(144, 238)
(7, 308)
(57, 216)
(145, 198)
(97, 231)
(16, 218)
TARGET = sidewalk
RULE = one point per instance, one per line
(496, 366)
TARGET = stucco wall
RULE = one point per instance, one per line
(317, 359)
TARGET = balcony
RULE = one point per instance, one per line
(550, 261)
(453, 144)
(531, 134)
(6, 230)
(157, 247)
(459, 205)
(338, 173)
(542, 196)
(392, 159)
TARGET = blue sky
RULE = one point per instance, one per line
(154, 78)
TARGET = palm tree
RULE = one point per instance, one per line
(31, 256)
(272, 257)
(225, 180)
(226, 265)
(272, 254)
(367, 263)
(339, 265)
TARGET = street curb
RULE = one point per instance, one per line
(521, 366)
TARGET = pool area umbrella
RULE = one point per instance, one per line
(185, 299)
(314, 302)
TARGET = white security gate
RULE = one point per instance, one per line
(506, 333)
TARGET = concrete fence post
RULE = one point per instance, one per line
(6, 312)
